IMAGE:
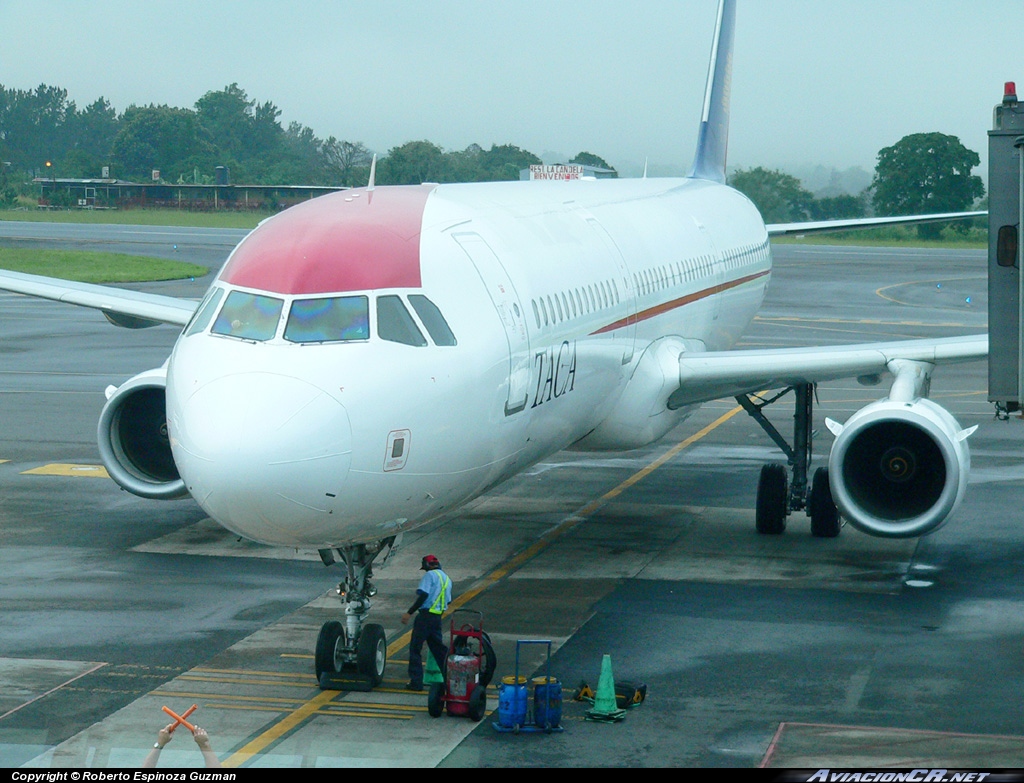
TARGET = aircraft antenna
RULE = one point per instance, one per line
(373, 172)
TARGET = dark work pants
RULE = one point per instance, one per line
(425, 628)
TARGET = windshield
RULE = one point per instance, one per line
(249, 316)
(334, 319)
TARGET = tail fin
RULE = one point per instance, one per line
(713, 140)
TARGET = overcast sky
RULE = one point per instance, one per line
(814, 82)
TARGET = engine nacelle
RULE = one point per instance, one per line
(133, 439)
(899, 469)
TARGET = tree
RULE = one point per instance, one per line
(246, 136)
(342, 159)
(838, 207)
(779, 197)
(91, 133)
(924, 173)
(412, 163)
(590, 159)
(505, 161)
(8, 196)
(33, 125)
(164, 138)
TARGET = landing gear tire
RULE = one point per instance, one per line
(772, 491)
(435, 700)
(824, 514)
(478, 702)
(372, 653)
(330, 649)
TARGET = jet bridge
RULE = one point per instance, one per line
(1005, 282)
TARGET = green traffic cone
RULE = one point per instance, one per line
(432, 672)
(605, 706)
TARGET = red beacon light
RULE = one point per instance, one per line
(1010, 92)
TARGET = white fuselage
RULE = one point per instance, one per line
(554, 292)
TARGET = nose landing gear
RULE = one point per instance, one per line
(352, 655)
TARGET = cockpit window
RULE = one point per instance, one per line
(395, 324)
(205, 311)
(249, 316)
(431, 317)
(333, 319)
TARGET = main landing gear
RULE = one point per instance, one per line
(777, 495)
(351, 655)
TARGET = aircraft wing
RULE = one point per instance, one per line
(710, 376)
(132, 309)
(814, 227)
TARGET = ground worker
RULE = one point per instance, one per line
(432, 597)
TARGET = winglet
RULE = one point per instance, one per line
(713, 139)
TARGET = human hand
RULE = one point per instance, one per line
(405, 618)
(202, 738)
(164, 735)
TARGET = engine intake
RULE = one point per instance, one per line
(899, 469)
(133, 440)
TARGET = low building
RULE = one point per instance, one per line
(58, 192)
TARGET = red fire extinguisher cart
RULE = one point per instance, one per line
(469, 667)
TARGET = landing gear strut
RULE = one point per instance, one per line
(344, 649)
(779, 494)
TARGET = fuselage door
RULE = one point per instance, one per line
(506, 301)
(628, 294)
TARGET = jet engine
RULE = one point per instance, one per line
(899, 469)
(133, 438)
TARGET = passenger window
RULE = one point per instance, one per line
(205, 311)
(431, 317)
(332, 319)
(249, 316)
(394, 323)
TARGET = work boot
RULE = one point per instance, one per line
(414, 686)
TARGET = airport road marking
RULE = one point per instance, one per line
(247, 672)
(896, 300)
(863, 321)
(67, 469)
(88, 671)
(315, 705)
(290, 722)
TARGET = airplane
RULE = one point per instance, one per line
(372, 359)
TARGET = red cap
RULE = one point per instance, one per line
(430, 562)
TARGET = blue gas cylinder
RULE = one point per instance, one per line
(512, 702)
(547, 702)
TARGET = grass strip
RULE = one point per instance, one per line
(96, 267)
(138, 217)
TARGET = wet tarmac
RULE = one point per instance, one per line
(781, 651)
